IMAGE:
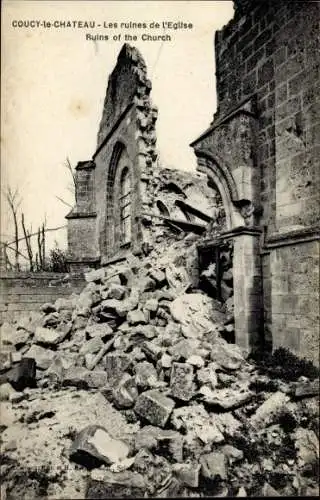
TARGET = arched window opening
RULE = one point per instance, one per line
(125, 207)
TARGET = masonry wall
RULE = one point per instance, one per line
(126, 137)
(21, 293)
(270, 51)
(124, 134)
(296, 298)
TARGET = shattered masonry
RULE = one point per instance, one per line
(141, 385)
(259, 156)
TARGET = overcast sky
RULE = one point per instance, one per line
(54, 83)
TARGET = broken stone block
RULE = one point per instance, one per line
(156, 469)
(15, 357)
(227, 399)
(214, 466)
(137, 354)
(42, 356)
(48, 336)
(208, 376)
(227, 356)
(107, 484)
(158, 276)
(102, 330)
(95, 379)
(145, 375)
(152, 350)
(183, 349)
(10, 336)
(188, 474)
(126, 392)
(151, 305)
(96, 275)
(171, 489)
(6, 391)
(116, 291)
(123, 465)
(232, 453)
(195, 360)
(145, 438)
(75, 377)
(197, 313)
(209, 433)
(94, 446)
(56, 370)
(23, 374)
(154, 407)
(91, 346)
(166, 361)
(51, 320)
(307, 389)
(182, 381)
(147, 331)
(136, 317)
(116, 363)
(166, 442)
(196, 423)
(268, 412)
(307, 446)
(242, 492)
(268, 491)
(227, 423)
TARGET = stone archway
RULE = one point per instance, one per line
(247, 275)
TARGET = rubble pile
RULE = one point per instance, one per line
(134, 392)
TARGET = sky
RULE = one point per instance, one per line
(54, 83)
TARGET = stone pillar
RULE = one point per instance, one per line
(247, 278)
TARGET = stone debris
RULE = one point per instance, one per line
(268, 411)
(157, 353)
(214, 465)
(43, 357)
(154, 407)
(307, 445)
(188, 474)
(94, 445)
(307, 389)
(181, 381)
(22, 375)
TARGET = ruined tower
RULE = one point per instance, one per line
(111, 188)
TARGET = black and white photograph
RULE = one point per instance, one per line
(159, 249)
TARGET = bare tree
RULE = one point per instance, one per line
(27, 237)
(14, 202)
(71, 186)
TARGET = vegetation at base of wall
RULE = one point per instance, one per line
(282, 363)
(57, 261)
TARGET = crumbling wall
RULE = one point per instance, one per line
(169, 190)
(23, 293)
(127, 135)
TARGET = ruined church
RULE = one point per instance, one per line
(255, 189)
